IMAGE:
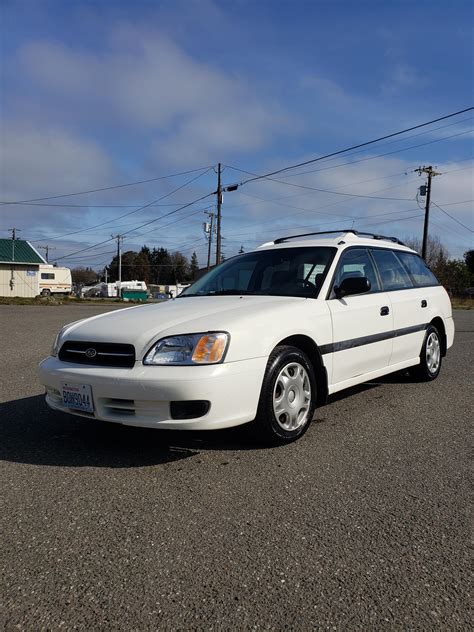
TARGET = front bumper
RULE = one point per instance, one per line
(141, 396)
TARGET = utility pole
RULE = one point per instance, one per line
(431, 173)
(219, 208)
(119, 239)
(209, 232)
(47, 248)
(14, 231)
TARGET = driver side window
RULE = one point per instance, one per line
(356, 262)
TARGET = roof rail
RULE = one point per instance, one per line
(280, 240)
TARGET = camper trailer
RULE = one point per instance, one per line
(111, 290)
(54, 280)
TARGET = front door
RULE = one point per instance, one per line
(362, 325)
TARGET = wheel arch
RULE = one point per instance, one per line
(439, 324)
(308, 345)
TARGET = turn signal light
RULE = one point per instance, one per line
(210, 348)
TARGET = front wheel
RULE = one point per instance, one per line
(46, 293)
(288, 396)
(430, 357)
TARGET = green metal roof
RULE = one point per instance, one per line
(18, 251)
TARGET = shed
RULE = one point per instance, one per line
(19, 268)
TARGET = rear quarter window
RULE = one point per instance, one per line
(392, 273)
(418, 270)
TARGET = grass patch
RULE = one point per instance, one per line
(462, 303)
(56, 300)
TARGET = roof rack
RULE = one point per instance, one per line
(280, 240)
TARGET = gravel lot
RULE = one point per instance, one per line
(362, 525)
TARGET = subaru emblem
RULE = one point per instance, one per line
(91, 353)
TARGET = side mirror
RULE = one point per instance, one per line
(352, 285)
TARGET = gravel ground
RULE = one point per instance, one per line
(362, 525)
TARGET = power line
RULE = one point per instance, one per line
(287, 197)
(141, 208)
(453, 218)
(343, 164)
(138, 227)
(54, 205)
(455, 203)
(236, 169)
(358, 146)
(117, 186)
(401, 140)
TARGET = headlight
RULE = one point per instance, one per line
(189, 349)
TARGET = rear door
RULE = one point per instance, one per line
(406, 302)
(362, 324)
(425, 299)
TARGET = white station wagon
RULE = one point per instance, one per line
(264, 337)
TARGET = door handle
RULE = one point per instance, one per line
(424, 303)
(384, 311)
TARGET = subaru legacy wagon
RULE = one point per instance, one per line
(264, 337)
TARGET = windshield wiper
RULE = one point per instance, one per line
(234, 292)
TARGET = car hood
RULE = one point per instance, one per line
(144, 325)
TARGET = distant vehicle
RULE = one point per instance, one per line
(263, 337)
(161, 296)
(90, 290)
(54, 280)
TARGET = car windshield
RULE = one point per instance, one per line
(273, 272)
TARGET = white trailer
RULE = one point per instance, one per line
(111, 290)
(54, 280)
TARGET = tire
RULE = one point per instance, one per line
(46, 293)
(430, 357)
(288, 397)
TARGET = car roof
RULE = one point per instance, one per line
(340, 240)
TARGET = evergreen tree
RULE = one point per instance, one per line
(142, 270)
(194, 267)
(180, 270)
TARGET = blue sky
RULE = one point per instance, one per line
(100, 93)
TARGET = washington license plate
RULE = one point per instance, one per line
(78, 397)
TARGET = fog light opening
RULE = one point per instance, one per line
(191, 409)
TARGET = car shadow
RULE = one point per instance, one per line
(401, 377)
(32, 433)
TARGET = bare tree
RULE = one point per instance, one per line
(436, 255)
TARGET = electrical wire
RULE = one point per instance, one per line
(401, 140)
(141, 208)
(138, 227)
(117, 186)
(364, 144)
(453, 218)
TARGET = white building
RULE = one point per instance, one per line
(19, 268)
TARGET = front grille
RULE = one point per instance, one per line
(98, 353)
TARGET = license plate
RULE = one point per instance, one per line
(78, 397)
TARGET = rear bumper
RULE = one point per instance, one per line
(141, 396)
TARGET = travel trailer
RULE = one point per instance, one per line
(111, 290)
(54, 280)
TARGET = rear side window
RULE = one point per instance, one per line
(356, 262)
(393, 274)
(47, 275)
(419, 271)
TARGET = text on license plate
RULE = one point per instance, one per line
(78, 396)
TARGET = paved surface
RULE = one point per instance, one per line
(363, 524)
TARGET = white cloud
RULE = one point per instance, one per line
(48, 161)
(145, 82)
